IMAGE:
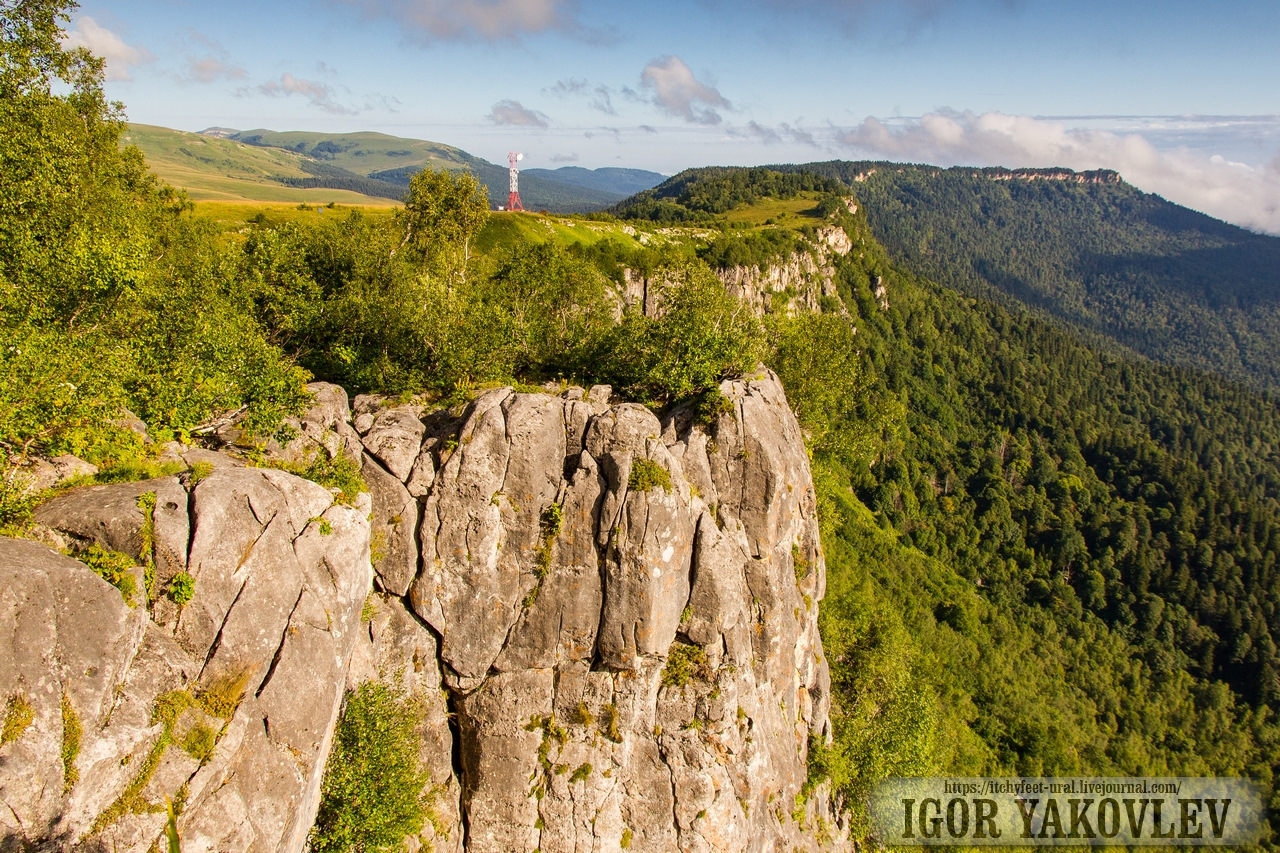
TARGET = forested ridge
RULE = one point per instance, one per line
(1045, 556)
(1088, 249)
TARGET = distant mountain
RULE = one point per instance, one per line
(268, 165)
(536, 192)
(621, 182)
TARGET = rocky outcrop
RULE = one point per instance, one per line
(225, 704)
(626, 612)
(795, 283)
(607, 620)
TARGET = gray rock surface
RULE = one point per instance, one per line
(281, 573)
(606, 622)
(626, 661)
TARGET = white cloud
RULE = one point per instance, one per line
(511, 112)
(320, 95)
(599, 98)
(564, 158)
(784, 132)
(100, 41)
(477, 19)
(1215, 185)
(207, 69)
(678, 92)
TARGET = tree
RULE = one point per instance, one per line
(442, 212)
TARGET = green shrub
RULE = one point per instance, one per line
(372, 795)
(182, 588)
(581, 774)
(646, 474)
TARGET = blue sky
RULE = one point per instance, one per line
(1180, 97)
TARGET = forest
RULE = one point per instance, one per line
(1124, 267)
(1050, 551)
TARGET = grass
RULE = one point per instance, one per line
(71, 732)
(610, 727)
(210, 168)
(17, 717)
(802, 210)
(233, 215)
(337, 472)
(504, 230)
(684, 663)
(222, 695)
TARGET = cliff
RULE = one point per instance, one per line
(608, 622)
(795, 282)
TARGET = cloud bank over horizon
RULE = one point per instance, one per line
(102, 42)
(1236, 192)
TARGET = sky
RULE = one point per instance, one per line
(1181, 97)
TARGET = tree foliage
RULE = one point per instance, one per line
(372, 795)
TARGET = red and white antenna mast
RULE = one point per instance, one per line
(513, 194)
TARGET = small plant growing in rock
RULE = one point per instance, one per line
(581, 774)
(584, 716)
(647, 474)
(552, 521)
(71, 732)
(17, 717)
(610, 727)
(684, 662)
(113, 567)
(711, 405)
(801, 564)
(182, 588)
(625, 843)
(200, 742)
(222, 695)
(147, 503)
(199, 470)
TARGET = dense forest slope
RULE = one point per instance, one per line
(1089, 250)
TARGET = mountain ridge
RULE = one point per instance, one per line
(376, 166)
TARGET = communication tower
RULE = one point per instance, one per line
(513, 195)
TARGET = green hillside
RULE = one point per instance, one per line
(216, 169)
(393, 161)
(363, 153)
(354, 168)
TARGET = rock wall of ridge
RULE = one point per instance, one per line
(609, 621)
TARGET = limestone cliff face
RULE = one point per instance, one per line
(256, 660)
(793, 283)
(610, 621)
